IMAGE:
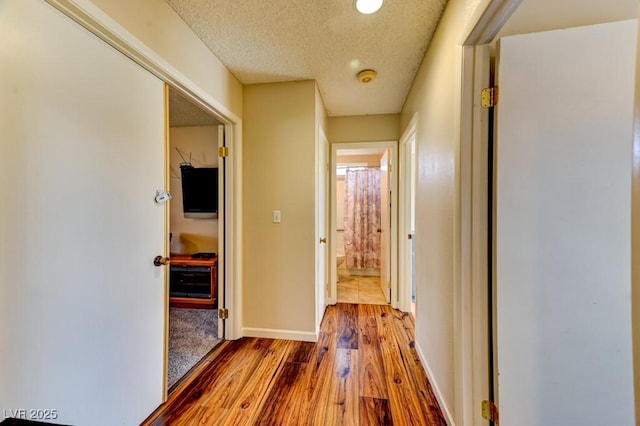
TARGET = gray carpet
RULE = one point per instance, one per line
(192, 334)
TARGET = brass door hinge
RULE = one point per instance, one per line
(388, 284)
(489, 97)
(489, 411)
(223, 313)
(223, 151)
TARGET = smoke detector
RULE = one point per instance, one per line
(367, 76)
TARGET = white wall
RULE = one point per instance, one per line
(279, 174)
(191, 235)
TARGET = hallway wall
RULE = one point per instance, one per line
(279, 174)
(435, 98)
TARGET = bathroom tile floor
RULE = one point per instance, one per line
(360, 289)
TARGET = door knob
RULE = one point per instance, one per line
(323, 239)
(161, 260)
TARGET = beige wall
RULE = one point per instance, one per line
(155, 24)
(279, 174)
(200, 144)
(364, 128)
(435, 97)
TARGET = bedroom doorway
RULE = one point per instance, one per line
(196, 236)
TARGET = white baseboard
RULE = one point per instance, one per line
(436, 390)
(267, 333)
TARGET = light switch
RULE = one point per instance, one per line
(276, 216)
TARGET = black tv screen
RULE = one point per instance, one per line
(199, 191)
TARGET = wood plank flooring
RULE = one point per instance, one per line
(364, 370)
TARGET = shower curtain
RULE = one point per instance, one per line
(362, 219)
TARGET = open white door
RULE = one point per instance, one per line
(563, 193)
(322, 283)
(82, 155)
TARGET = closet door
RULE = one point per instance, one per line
(82, 152)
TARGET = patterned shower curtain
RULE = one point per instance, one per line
(362, 220)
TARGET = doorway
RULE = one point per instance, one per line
(363, 225)
(196, 230)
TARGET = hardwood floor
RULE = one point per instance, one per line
(364, 370)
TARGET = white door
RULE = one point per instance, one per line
(322, 283)
(82, 307)
(407, 292)
(563, 255)
(385, 227)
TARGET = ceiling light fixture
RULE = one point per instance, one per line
(367, 76)
(367, 7)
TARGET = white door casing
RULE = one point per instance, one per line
(392, 146)
(321, 226)
(563, 189)
(406, 209)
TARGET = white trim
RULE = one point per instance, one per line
(322, 172)
(489, 20)
(471, 351)
(403, 291)
(222, 217)
(269, 333)
(635, 238)
(434, 385)
(393, 145)
(233, 223)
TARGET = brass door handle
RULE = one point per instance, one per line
(323, 239)
(161, 260)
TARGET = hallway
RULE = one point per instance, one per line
(363, 370)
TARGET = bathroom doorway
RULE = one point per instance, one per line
(363, 212)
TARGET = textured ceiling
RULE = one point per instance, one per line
(328, 41)
(184, 113)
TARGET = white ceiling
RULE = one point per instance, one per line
(328, 41)
(280, 40)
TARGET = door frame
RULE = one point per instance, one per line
(472, 337)
(322, 222)
(404, 213)
(104, 27)
(393, 185)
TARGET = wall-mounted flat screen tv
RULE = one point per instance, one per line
(199, 191)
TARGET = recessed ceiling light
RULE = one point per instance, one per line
(368, 6)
